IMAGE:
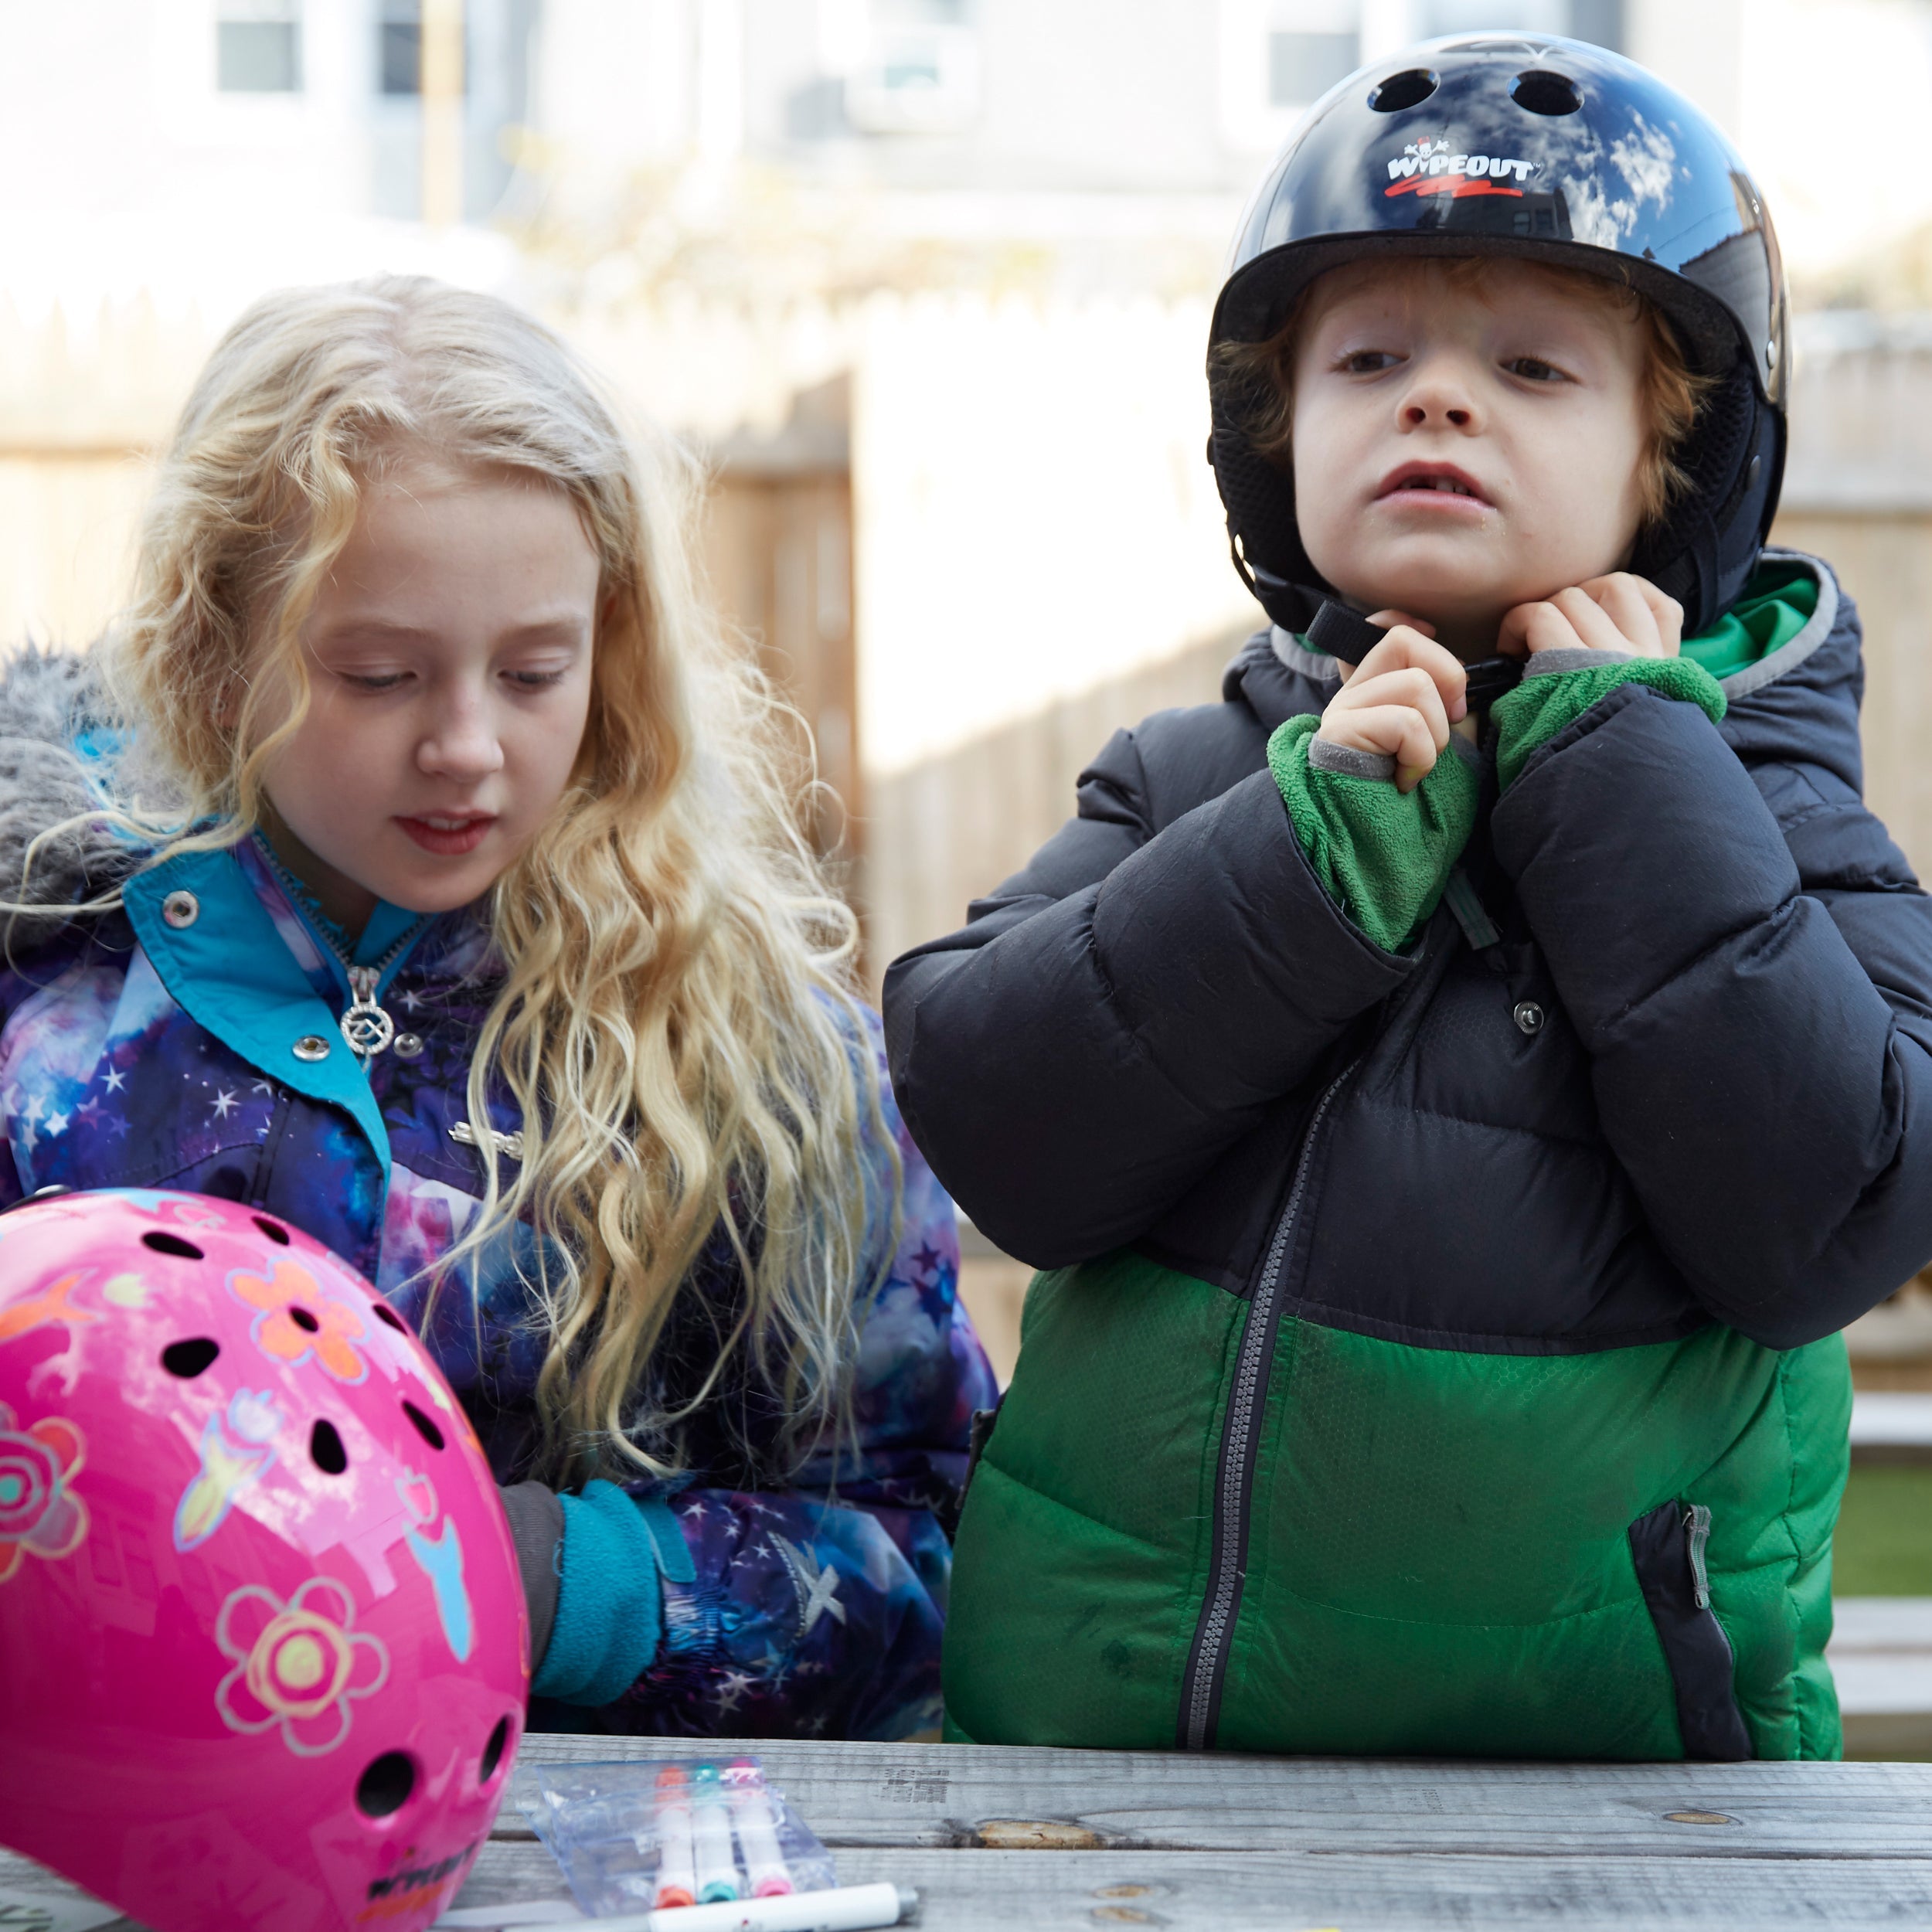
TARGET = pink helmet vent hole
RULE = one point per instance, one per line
(424, 1427)
(161, 1242)
(302, 1319)
(493, 1751)
(273, 1229)
(188, 1359)
(326, 1448)
(385, 1787)
(384, 1313)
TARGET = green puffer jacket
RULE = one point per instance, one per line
(1435, 1351)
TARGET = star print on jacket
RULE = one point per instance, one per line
(819, 1594)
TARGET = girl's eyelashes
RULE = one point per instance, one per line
(1365, 361)
(382, 681)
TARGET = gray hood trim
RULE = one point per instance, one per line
(1297, 657)
(46, 698)
(1789, 655)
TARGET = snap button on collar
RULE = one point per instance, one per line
(180, 909)
(1529, 1015)
(311, 1046)
(408, 1047)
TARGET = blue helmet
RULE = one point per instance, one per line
(1554, 150)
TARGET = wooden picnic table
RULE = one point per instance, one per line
(1016, 1840)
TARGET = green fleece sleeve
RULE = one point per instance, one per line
(1383, 856)
(1560, 686)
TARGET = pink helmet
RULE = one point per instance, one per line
(263, 1646)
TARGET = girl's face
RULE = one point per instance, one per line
(449, 657)
(1458, 451)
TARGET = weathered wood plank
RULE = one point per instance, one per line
(1283, 1891)
(1017, 1891)
(940, 1795)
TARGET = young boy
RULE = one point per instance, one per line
(1456, 1125)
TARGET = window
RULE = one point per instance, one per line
(398, 47)
(1479, 16)
(258, 47)
(1302, 67)
(1601, 21)
(920, 71)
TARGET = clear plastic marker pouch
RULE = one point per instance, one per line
(633, 1836)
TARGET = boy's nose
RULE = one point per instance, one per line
(1437, 394)
(1419, 412)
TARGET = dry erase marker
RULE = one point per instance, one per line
(766, 1874)
(711, 1831)
(677, 1879)
(842, 1908)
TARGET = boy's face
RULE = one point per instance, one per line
(1458, 450)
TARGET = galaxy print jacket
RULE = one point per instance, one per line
(191, 1039)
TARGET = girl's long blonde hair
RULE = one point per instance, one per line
(675, 1019)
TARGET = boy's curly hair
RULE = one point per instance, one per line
(1671, 394)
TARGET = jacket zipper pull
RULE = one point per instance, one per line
(1697, 1527)
(366, 1028)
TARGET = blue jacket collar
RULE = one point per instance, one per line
(233, 969)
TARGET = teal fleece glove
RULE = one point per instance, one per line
(1382, 856)
(610, 1612)
(1559, 686)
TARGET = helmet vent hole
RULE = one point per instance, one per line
(385, 1313)
(325, 1449)
(493, 1751)
(1408, 89)
(1541, 92)
(385, 1785)
(163, 1242)
(188, 1359)
(424, 1426)
(273, 1229)
(303, 1320)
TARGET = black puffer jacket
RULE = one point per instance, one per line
(1419, 1372)
(1717, 1117)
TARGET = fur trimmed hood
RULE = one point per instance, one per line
(48, 700)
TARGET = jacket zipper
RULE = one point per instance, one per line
(1697, 1530)
(1225, 1574)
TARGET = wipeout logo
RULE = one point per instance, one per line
(1429, 167)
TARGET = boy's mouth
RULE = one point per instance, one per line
(1438, 480)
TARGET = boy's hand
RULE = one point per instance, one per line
(1400, 700)
(1619, 612)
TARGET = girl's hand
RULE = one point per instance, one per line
(1619, 612)
(1400, 701)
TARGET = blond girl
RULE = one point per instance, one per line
(417, 860)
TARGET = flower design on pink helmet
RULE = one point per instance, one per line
(297, 1320)
(299, 1665)
(38, 1510)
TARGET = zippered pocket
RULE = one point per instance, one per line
(1668, 1545)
